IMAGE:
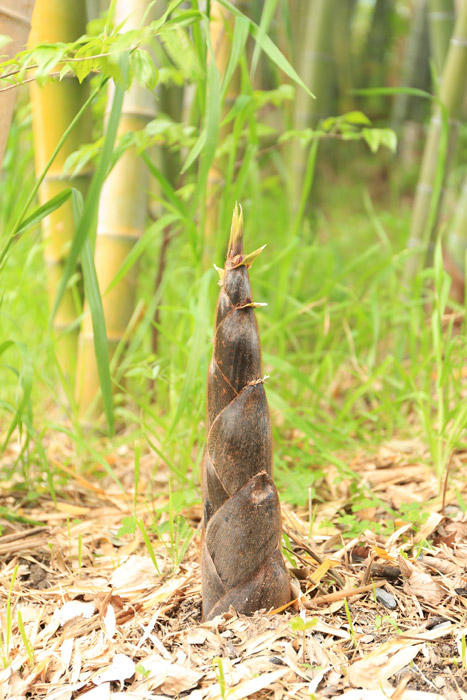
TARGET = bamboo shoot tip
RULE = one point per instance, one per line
(236, 232)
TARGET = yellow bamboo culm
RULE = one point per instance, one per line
(220, 30)
(121, 222)
(54, 106)
(15, 22)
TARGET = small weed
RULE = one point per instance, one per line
(149, 546)
(349, 620)
(5, 644)
(299, 624)
(26, 642)
(386, 618)
(220, 676)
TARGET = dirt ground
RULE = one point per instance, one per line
(89, 612)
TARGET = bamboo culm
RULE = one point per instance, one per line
(53, 107)
(242, 564)
(452, 95)
(121, 222)
(441, 18)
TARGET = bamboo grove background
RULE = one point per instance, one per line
(340, 127)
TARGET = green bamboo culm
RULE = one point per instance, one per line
(452, 95)
(53, 107)
(121, 222)
(241, 561)
(415, 71)
(314, 29)
(374, 65)
(441, 19)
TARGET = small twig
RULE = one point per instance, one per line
(334, 574)
(446, 479)
(340, 595)
(367, 574)
(166, 238)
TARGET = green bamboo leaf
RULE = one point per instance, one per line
(44, 210)
(144, 69)
(88, 219)
(269, 48)
(93, 298)
(167, 188)
(416, 92)
(356, 117)
(195, 151)
(266, 17)
(239, 39)
(277, 57)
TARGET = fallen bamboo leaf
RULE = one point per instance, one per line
(75, 608)
(374, 670)
(136, 570)
(171, 678)
(121, 668)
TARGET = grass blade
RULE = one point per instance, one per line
(93, 298)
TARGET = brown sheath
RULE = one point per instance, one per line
(241, 561)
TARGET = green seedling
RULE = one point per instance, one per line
(298, 624)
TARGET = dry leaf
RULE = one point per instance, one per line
(425, 587)
(374, 670)
(121, 668)
(428, 527)
(110, 622)
(73, 609)
(136, 571)
(171, 678)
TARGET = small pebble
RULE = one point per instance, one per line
(275, 660)
(440, 625)
(367, 638)
(386, 599)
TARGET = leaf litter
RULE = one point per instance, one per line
(93, 614)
